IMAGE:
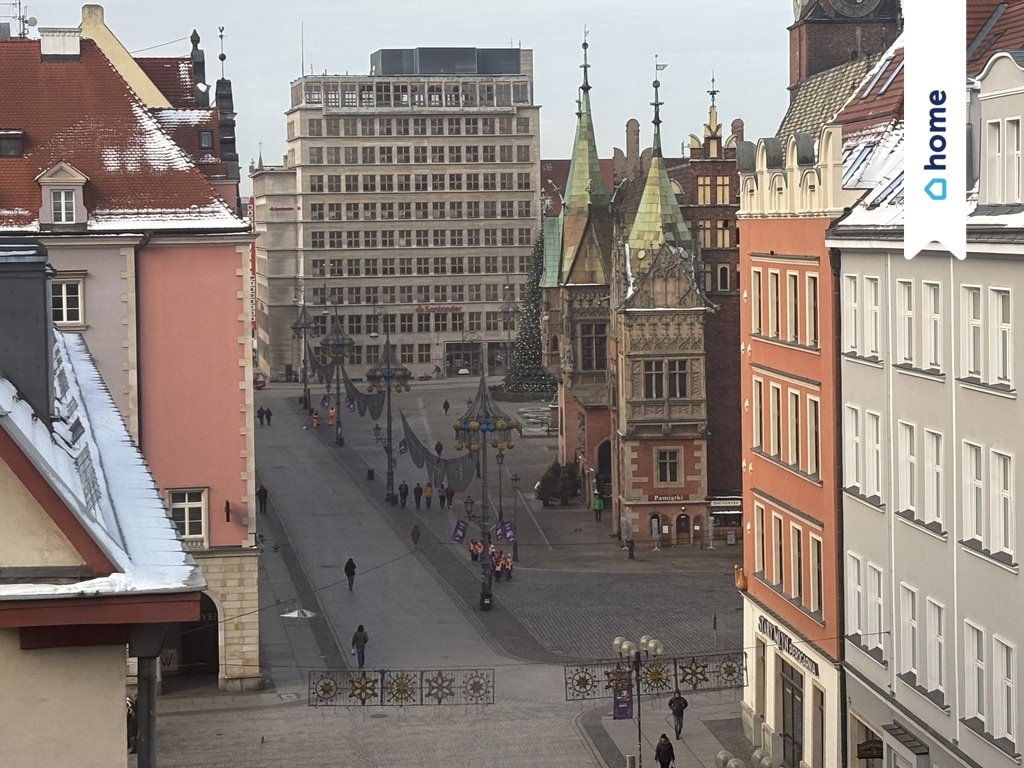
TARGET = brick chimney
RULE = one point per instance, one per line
(64, 43)
(26, 344)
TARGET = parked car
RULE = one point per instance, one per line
(259, 381)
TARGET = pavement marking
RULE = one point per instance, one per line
(535, 523)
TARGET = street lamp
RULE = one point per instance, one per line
(302, 326)
(500, 458)
(627, 649)
(334, 345)
(388, 373)
(376, 432)
(509, 311)
(515, 516)
(484, 422)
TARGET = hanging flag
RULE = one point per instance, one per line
(350, 404)
(459, 534)
(325, 401)
(510, 532)
(402, 446)
(660, 67)
(499, 532)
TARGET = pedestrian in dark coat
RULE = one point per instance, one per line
(350, 572)
(446, 406)
(261, 496)
(449, 494)
(260, 414)
(269, 414)
(664, 753)
(417, 494)
(359, 641)
(415, 534)
(438, 447)
(403, 493)
(678, 704)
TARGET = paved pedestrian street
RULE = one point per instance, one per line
(573, 591)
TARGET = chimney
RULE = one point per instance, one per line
(62, 43)
(26, 345)
(202, 95)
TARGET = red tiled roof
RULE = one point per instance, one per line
(879, 99)
(978, 13)
(557, 172)
(173, 76)
(1007, 34)
(82, 112)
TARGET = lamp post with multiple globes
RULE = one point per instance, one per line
(388, 374)
(636, 653)
(334, 345)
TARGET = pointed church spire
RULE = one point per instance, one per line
(585, 185)
(658, 220)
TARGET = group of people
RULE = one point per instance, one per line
(264, 415)
(500, 561)
(664, 754)
(425, 494)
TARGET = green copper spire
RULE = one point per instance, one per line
(585, 185)
(658, 220)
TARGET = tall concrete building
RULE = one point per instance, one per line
(408, 202)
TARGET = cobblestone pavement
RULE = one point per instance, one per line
(573, 592)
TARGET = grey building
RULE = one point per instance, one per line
(931, 431)
(408, 202)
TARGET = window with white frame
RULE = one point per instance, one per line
(851, 314)
(935, 673)
(793, 433)
(1001, 524)
(188, 511)
(757, 413)
(811, 311)
(995, 162)
(906, 435)
(796, 562)
(758, 538)
(932, 347)
(974, 493)
(933, 496)
(773, 304)
(813, 436)
(908, 629)
(873, 444)
(972, 344)
(817, 583)
(851, 448)
(774, 418)
(854, 595)
(66, 306)
(974, 672)
(1004, 689)
(873, 317)
(63, 201)
(875, 618)
(905, 322)
(777, 550)
(1001, 356)
(1013, 167)
(792, 307)
(755, 301)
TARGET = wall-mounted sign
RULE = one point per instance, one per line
(727, 503)
(679, 497)
(785, 642)
(872, 749)
(437, 309)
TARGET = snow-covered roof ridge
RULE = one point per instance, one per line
(90, 461)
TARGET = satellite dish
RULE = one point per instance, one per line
(31, 21)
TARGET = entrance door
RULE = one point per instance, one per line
(683, 529)
(199, 652)
(792, 684)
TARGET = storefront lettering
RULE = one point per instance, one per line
(667, 498)
(438, 309)
(785, 642)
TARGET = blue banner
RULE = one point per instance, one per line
(622, 704)
(459, 534)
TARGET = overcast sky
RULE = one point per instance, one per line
(745, 42)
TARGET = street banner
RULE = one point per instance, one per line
(459, 534)
(403, 446)
(622, 704)
(350, 404)
(325, 401)
(499, 532)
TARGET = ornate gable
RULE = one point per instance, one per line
(668, 283)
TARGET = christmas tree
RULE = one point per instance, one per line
(527, 374)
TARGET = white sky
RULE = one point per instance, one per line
(745, 42)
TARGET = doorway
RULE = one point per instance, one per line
(792, 684)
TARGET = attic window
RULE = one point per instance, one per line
(206, 139)
(11, 143)
(63, 206)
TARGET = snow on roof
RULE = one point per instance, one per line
(173, 118)
(100, 474)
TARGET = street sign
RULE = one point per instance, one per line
(872, 749)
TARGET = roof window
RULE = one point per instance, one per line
(11, 143)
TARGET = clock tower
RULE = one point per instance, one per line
(827, 33)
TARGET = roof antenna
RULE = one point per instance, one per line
(714, 91)
(302, 47)
(221, 56)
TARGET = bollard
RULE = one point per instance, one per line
(369, 474)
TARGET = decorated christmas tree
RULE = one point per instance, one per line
(527, 374)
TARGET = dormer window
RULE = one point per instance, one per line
(206, 139)
(12, 143)
(63, 201)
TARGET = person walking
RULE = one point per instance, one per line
(403, 493)
(415, 534)
(663, 752)
(261, 497)
(268, 414)
(428, 493)
(598, 507)
(449, 495)
(350, 572)
(261, 414)
(446, 405)
(438, 447)
(678, 704)
(417, 494)
(359, 641)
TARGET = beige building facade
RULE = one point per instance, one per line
(408, 203)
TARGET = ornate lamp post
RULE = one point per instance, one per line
(335, 345)
(509, 312)
(376, 432)
(515, 516)
(388, 373)
(484, 422)
(302, 326)
(627, 649)
(500, 458)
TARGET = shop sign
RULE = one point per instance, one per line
(437, 309)
(667, 498)
(785, 642)
(872, 749)
(726, 503)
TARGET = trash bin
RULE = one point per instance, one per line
(629, 548)
(369, 474)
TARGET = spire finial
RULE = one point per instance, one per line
(585, 66)
(714, 91)
(222, 55)
(657, 106)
